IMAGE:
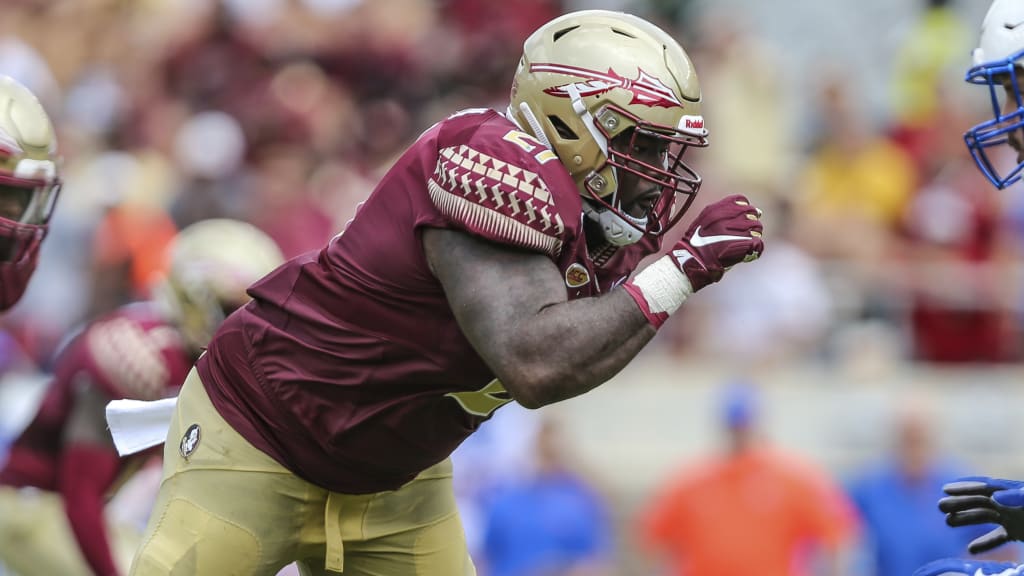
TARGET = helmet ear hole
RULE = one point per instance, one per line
(563, 129)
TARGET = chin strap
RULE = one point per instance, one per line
(618, 230)
(580, 108)
(531, 119)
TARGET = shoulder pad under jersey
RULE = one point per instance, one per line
(503, 185)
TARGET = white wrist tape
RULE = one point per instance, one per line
(664, 286)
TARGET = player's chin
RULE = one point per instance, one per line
(643, 207)
(638, 212)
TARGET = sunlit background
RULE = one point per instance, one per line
(890, 285)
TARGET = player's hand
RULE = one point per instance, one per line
(959, 567)
(984, 500)
(724, 234)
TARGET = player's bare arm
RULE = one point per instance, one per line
(513, 308)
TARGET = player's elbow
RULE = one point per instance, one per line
(531, 399)
(536, 385)
(523, 387)
(529, 402)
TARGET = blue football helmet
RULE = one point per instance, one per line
(997, 64)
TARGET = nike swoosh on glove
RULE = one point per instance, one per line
(985, 500)
(959, 567)
(724, 234)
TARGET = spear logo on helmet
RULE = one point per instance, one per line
(647, 90)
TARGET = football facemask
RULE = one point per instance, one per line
(997, 66)
(984, 139)
(677, 181)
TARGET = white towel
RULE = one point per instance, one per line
(137, 425)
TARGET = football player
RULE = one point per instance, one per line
(29, 185)
(63, 466)
(491, 264)
(999, 66)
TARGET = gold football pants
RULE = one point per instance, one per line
(230, 509)
(36, 537)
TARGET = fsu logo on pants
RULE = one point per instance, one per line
(190, 441)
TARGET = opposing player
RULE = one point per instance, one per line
(29, 186)
(61, 469)
(999, 66)
(491, 264)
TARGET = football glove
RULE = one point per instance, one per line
(725, 233)
(960, 567)
(984, 500)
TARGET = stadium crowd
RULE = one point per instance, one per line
(284, 113)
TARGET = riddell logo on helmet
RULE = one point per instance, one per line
(647, 90)
(692, 122)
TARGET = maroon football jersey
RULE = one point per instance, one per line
(130, 353)
(348, 366)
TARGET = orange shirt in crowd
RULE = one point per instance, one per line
(759, 512)
(139, 236)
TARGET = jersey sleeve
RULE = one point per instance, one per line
(506, 187)
(129, 360)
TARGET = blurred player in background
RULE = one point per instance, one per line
(63, 467)
(491, 264)
(29, 186)
(999, 66)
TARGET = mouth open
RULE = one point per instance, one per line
(644, 204)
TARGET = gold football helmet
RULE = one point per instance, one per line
(29, 185)
(211, 264)
(588, 77)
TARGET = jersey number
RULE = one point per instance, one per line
(529, 144)
(485, 401)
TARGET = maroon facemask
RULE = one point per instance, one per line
(19, 251)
